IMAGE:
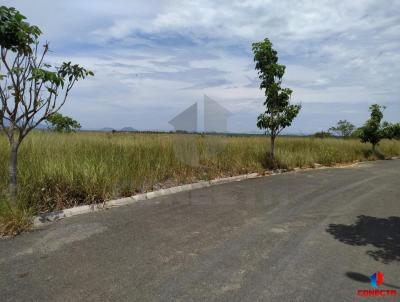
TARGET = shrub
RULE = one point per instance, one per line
(322, 134)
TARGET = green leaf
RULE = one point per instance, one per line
(279, 112)
(16, 34)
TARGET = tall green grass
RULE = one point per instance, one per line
(56, 170)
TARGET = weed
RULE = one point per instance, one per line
(58, 170)
(13, 220)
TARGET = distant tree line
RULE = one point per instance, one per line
(373, 130)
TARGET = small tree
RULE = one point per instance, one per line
(372, 131)
(391, 131)
(61, 123)
(343, 129)
(279, 113)
(30, 89)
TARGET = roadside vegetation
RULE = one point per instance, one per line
(43, 171)
(279, 113)
(14, 219)
(31, 90)
(60, 170)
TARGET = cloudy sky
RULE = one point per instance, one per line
(152, 59)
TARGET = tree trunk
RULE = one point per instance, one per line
(373, 148)
(272, 153)
(12, 186)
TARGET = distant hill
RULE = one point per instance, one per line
(128, 129)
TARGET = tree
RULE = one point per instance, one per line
(279, 113)
(391, 131)
(356, 133)
(30, 89)
(61, 123)
(343, 129)
(372, 131)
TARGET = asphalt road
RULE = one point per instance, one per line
(305, 236)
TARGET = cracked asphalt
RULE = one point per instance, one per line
(304, 236)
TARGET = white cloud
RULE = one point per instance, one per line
(168, 53)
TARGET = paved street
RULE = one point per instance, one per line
(305, 236)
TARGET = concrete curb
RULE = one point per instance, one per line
(53, 216)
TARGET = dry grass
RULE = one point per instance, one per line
(63, 170)
(13, 220)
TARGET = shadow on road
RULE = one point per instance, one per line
(365, 279)
(382, 233)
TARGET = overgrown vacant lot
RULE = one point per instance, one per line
(62, 170)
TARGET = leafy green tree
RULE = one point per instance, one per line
(61, 123)
(391, 131)
(373, 131)
(356, 133)
(279, 113)
(343, 129)
(30, 89)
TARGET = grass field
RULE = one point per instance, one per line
(56, 170)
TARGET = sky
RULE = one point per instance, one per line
(153, 59)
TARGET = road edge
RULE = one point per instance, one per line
(46, 218)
